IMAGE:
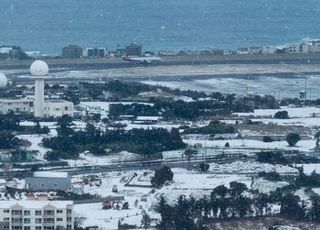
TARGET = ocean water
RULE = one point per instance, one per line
(48, 25)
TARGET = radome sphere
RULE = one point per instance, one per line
(39, 68)
(3, 81)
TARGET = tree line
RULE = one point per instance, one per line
(148, 142)
(237, 201)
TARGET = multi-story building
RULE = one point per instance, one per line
(71, 51)
(58, 108)
(133, 50)
(36, 215)
(95, 52)
(16, 106)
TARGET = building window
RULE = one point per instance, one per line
(69, 227)
(49, 212)
(6, 219)
(26, 220)
(38, 227)
(16, 212)
(6, 211)
(26, 213)
(38, 213)
(59, 211)
(69, 211)
(59, 219)
(69, 219)
(26, 228)
(42, 185)
(38, 220)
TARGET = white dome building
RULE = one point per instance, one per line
(39, 68)
(40, 107)
(3, 81)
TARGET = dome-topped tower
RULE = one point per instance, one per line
(39, 68)
(3, 81)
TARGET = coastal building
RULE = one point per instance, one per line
(16, 106)
(58, 108)
(72, 51)
(12, 52)
(48, 181)
(36, 215)
(95, 52)
(133, 50)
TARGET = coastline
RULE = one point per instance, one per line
(106, 63)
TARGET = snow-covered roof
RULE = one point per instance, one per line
(36, 204)
(148, 118)
(51, 174)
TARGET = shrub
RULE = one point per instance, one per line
(292, 139)
(204, 167)
(161, 176)
(281, 115)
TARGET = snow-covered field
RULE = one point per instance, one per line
(302, 116)
(303, 145)
(241, 167)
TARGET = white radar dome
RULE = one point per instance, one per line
(39, 68)
(3, 81)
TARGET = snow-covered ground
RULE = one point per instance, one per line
(309, 168)
(302, 116)
(89, 159)
(241, 167)
(300, 112)
(35, 140)
(265, 186)
(303, 145)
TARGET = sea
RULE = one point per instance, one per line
(49, 25)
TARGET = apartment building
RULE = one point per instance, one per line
(36, 215)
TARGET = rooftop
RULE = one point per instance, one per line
(36, 204)
(51, 174)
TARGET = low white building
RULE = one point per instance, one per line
(37, 215)
(58, 108)
(52, 108)
(16, 106)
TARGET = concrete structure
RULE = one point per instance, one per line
(16, 106)
(72, 51)
(11, 52)
(133, 50)
(58, 108)
(37, 215)
(95, 52)
(39, 69)
(48, 181)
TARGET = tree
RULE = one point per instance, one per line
(145, 221)
(290, 207)
(204, 167)
(189, 153)
(315, 208)
(292, 139)
(161, 176)
(281, 115)
(271, 158)
(267, 139)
